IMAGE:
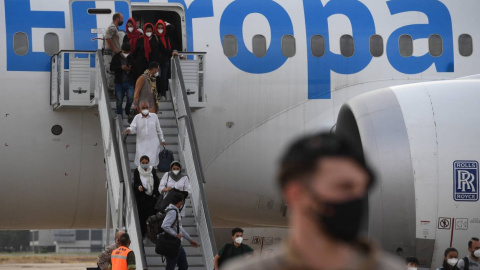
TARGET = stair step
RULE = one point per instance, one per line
(172, 146)
(169, 138)
(193, 261)
(164, 120)
(165, 105)
(191, 251)
(166, 113)
(131, 157)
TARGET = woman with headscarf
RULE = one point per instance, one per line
(145, 184)
(146, 50)
(132, 35)
(175, 179)
(167, 50)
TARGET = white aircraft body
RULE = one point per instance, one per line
(274, 70)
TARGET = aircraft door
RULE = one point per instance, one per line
(90, 19)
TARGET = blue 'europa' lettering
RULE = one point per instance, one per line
(439, 22)
(363, 27)
(316, 22)
(280, 24)
(19, 18)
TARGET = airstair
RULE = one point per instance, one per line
(175, 120)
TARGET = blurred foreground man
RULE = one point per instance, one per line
(325, 182)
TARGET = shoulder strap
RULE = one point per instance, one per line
(466, 263)
(176, 219)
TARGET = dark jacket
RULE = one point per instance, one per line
(165, 52)
(165, 44)
(141, 63)
(116, 66)
(137, 182)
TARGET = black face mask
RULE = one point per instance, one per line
(341, 221)
(120, 23)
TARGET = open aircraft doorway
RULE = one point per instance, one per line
(174, 14)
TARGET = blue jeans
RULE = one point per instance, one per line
(164, 78)
(180, 261)
(121, 90)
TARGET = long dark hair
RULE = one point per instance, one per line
(445, 265)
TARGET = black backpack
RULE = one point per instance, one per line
(154, 226)
(168, 245)
(165, 158)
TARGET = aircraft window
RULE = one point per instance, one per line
(259, 45)
(317, 43)
(82, 235)
(97, 235)
(20, 43)
(51, 43)
(405, 45)
(288, 46)
(99, 11)
(435, 45)
(376, 45)
(465, 45)
(347, 46)
(230, 45)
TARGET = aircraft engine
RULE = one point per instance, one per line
(423, 141)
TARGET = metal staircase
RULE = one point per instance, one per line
(169, 126)
(175, 119)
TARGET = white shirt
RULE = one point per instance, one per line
(183, 185)
(149, 134)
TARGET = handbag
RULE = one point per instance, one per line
(167, 244)
(131, 115)
(164, 201)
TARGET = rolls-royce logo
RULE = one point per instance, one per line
(465, 174)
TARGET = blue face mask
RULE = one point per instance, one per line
(144, 166)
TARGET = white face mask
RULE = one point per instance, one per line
(239, 240)
(130, 29)
(176, 172)
(125, 55)
(145, 112)
(452, 261)
(149, 34)
(160, 31)
(477, 253)
(156, 74)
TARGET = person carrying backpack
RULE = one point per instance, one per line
(471, 262)
(172, 225)
(232, 250)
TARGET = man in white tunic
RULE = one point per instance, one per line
(149, 134)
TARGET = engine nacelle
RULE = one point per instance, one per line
(424, 142)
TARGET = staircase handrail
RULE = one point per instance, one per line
(183, 113)
(130, 206)
(116, 145)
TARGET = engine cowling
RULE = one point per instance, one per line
(424, 142)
